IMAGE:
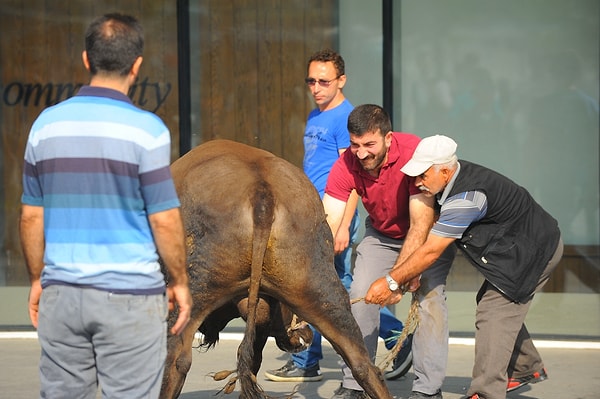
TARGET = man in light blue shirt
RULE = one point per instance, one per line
(325, 138)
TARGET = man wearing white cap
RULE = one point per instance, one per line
(507, 236)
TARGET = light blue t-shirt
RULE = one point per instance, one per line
(99, 166)
(325, 134)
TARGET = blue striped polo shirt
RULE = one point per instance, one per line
(458, 212)
(99, 166)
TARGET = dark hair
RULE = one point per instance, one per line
(328, 55)
(369, 118)
(113, 42)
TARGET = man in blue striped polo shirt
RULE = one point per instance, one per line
(99, 206)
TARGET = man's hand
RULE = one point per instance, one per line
(380, 293)
(413, 284)
(180, 295)
(341, 241)
(34, 302)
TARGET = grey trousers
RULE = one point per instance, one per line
(503, 347)
(376, 254)
(92, 338)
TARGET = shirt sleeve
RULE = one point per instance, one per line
(412, 187)
(459, 212)
(156, 181)
(340, 182)
(342, 137)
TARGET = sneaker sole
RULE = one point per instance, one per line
(534, 381)
(400, 371)
(278, 378)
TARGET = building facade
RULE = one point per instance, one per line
(514, 83)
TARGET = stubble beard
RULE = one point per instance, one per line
(372, 163)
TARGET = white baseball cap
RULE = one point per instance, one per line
(433, 150)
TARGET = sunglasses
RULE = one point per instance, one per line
(322, 82)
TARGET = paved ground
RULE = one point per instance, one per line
(573, 373)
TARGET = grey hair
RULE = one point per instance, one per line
(451, 164)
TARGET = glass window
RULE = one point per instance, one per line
(516, 85)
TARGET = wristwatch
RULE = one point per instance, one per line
(392, 284)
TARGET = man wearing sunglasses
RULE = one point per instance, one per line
(326, 137)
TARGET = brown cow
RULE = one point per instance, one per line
(259, 244)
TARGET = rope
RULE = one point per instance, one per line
(295, 325)
(410, 325)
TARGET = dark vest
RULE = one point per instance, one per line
(513, 243)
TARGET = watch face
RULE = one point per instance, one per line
(392, 284)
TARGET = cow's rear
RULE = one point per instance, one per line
(258, 244)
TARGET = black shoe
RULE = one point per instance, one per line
(402, 362)
(290, 373)
(516, 383)
(347, 393)
(421, 395)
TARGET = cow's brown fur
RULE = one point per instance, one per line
(259, 247)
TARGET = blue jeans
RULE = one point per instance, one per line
(390, 326)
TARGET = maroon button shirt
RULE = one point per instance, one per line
(384, 197)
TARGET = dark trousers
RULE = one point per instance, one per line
(503, 347)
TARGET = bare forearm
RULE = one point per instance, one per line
(414, 239)
(31, 233)
(168, 231)
(334, 210)
(421, 258)
(413, 265)
(349, 211)
(405, 272)
(421, 221)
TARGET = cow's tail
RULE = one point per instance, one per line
(263, 215)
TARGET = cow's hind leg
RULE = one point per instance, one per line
(338, 326)
(357, 358)
(178, 362)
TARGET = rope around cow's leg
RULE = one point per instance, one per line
(295, 325)
(410, 325)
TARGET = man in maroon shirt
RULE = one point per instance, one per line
(399, 219)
